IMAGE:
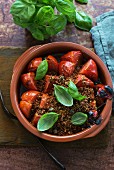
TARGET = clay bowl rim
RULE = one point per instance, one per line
(18, 68)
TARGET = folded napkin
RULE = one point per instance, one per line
(103, 39)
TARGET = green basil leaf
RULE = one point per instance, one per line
(22, 10)
(44, 15)
(20, 22)
(50, 30)
(39, 6)
(43, 1)
(41, 70)
(82, 1)
(73, 91)
(57, 24)
(36, 32)
(44, 31)
(83, 21)
(47, 121)
(72, 87)
(48, 2)
(66, 7)
(71, 17)
(79, 118)
(62, 95)
(30, 1)
(78, 96)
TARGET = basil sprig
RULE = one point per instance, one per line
(73, 91)
(65, 95)
(40, 18)
(41, 70)
(47, 121)
(79, 118)
(62, 95)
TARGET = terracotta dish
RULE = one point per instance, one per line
(44, 50)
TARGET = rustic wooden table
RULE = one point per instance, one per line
(92, 154)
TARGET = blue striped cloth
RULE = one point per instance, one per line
(103, 39)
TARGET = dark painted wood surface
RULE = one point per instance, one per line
(96, 153)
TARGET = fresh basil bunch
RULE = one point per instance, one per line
(40, 18)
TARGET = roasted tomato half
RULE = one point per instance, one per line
(89, 69)
(27, 99)
(32, 66)
(25, 108)
(83, 81)
(35, 119)
(29, 96)
(73, 56)
(52, 63)
(66, 68)
(28, 80)
(44, 101)
(49, 81)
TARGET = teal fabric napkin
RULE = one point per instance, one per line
(103, 39)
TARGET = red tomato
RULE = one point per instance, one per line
(29, 96)
(25, 108)
(52, 63)
(28, 80)
(73, 56)
(89, 69)
(32, 66)
(83, 81)
(44, 104)
(35, 119)
(66, 68)
(49, 81)
(48, 84)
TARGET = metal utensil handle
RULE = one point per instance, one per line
(8, 113)
(54, 159)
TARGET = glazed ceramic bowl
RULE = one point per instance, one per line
(44, 50)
